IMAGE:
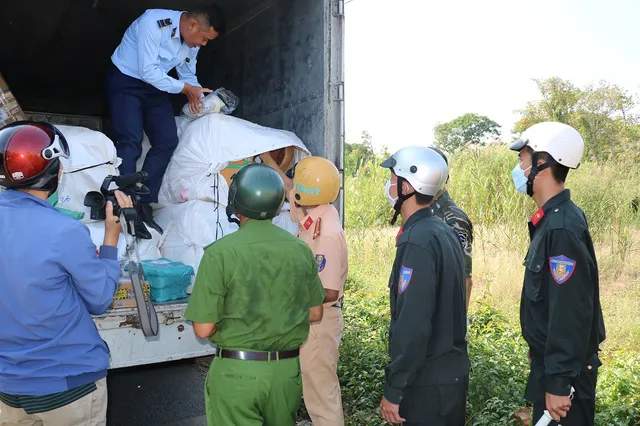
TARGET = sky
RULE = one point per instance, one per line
(410, 64)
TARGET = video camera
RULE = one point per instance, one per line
(130, 184)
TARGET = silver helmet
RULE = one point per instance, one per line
(422, 167)
(425, 169)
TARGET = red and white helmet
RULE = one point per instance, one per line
(30, 155)
(561, 141)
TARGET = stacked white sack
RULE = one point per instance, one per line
(93, 157)
(193, 225)
(182, 122)
(148, 249)
(207, 146)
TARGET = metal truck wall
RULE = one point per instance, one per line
(274, 60)
(56, 52)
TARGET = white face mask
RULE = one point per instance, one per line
(519, 179)
(390, 199)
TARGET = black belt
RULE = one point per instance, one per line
(257, 356)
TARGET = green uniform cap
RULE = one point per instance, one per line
(257, 192)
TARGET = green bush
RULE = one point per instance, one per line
(499, 368)
(481, 184)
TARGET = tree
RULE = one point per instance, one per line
(356, 155)
(559, 102)
(601, 113)
(468, 128)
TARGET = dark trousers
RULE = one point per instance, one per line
(135, 107)
(436, 405)
(583, 404)
(582, 413)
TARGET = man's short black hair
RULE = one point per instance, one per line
(558, 171)
(211, 16)
(423, 200)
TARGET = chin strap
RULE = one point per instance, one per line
(535, 170)
(401, 199)
(230, 212)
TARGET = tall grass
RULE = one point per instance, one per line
(481, 184)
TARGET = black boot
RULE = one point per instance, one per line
(145, 213)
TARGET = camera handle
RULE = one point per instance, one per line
(146, 310)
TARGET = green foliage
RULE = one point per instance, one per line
(468, 128)
(357, 155)
(498, 367)
(600, 112)
(481, 184)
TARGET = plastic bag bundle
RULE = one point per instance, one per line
(220, 101)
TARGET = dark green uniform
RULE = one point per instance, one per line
(257, 285)
(560, 311)
(446, 209)
(429, 369)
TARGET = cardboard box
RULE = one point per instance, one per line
(125, 297)
(10, 110)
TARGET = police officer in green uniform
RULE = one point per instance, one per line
(560, 311)
(446, 209)
(426, 382)
(256, 292)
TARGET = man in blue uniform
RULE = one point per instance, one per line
(138, 85)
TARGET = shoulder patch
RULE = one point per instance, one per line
(404, 279)
(163, 23)
(321, 260)
(561, 268)
(173, 34)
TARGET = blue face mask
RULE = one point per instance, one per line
(519, 179)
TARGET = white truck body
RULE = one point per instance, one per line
(283, 58)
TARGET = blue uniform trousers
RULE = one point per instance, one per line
(136, 106)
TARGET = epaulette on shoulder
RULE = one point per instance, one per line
(164, 23)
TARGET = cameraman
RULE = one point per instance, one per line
(53, 363)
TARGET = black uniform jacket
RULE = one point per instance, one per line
(560, 311)
(428, 316)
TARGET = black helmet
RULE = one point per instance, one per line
(256, 192)
(30, 155)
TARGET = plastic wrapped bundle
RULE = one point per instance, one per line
(220, 101)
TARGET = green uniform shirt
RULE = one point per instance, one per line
(257, 285)
(446, 209)
(560, 311)
(428, 314)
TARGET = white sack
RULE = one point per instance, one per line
(207, 146)
(182, 122)
(192, 225)
(148, 249)
(92, 158)
(189, 227)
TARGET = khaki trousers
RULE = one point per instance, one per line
(90, 410)
(319, 363)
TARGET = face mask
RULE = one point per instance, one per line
(390, 199)
(519, 179)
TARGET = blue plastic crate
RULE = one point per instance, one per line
(168, 279)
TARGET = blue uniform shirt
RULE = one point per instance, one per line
(151, 47)
(50, 282)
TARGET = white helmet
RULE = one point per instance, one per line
(422, 167)
(561, 141)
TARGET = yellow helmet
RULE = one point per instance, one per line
(316, 181)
